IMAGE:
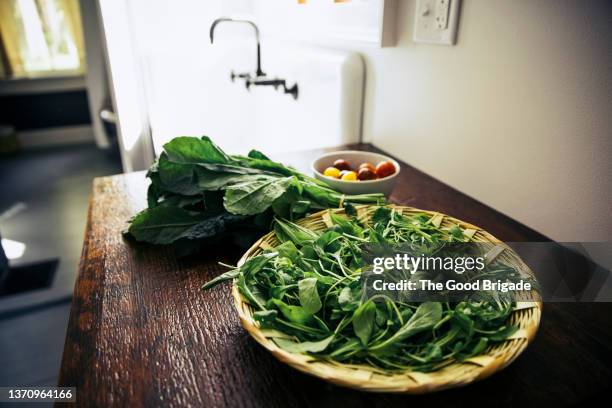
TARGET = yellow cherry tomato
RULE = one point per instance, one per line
(349, 176)
(332, 172)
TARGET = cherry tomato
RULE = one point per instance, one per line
(332, 172)
(349, 176)
(385, 169)
(366, 174)
(367, 166)
(342, 164)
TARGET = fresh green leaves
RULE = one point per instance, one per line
(164, 225)
(250, 189)
(346, 226)
(309, 290)
(296, 314)
(185, 149)
(364, 319)
(265, 318)
(310, 287)
(255, 196)
(231, 274)
(251, 266)
(218, 179)
(177, 178)
(425, 318)
(289, 231)
(304, 347)
(308, 295)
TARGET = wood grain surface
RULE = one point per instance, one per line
(141, 333)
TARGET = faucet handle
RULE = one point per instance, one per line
(244, 75)
(293, 91)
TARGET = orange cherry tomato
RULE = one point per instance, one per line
(385, 169)
(367, 166)
(366, 173)
(342, 164)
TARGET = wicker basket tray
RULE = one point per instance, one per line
(367, 378)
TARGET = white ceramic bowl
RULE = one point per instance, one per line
(355, 158)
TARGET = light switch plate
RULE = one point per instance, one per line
(435, 21)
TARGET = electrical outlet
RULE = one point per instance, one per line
(442, 7)
(436, 21)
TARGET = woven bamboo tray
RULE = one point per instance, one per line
(367, 378)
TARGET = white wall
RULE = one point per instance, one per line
(186, 87)
(517, 115)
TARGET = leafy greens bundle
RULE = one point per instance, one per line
(310, 288)
(200, 193)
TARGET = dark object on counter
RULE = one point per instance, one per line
(8, 140)
(28, 277)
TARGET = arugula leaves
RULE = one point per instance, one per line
(207, 195)
(304, 347)
(309, 296)
(310, 289)
(363, 321)
(426, 317)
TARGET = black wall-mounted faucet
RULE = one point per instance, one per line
(258, 71)
(259, 78)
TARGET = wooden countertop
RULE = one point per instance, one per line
(141, 333)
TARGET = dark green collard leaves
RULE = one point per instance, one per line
(164, 224)
(250, 189)
(309, 289)
(186, 149)
(256, 196)
(177, 178)
(213, 180)
(256, 154)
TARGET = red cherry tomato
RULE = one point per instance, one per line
(341, 164)
(366, 174)
(385, 169)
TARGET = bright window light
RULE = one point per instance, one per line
(41, 36)
(13, 249)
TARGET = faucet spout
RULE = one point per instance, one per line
(258, 70)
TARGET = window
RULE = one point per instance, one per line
(40, 38)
